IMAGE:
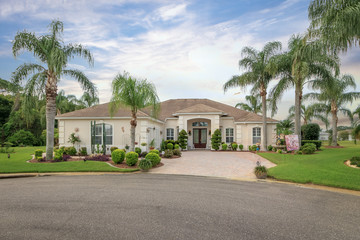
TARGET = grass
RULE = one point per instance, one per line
(17, 164)
(325, 167)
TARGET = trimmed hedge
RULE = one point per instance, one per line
(224, 147)
(131, 158)
(145, 164)
(310, 131)
(317, 143)
(118, 156)
(170, 146)
(153, 158)
(308, 148)
(38, 153)
(155, 151)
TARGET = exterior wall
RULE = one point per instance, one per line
(144, 132)
(244, 134)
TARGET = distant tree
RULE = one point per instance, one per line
(310, 112)
(253, 104)
(54, 56)
(89, 100)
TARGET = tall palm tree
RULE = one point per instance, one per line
(310, 112)
(335, 22)
(133, 94)
(333, 93)
(302, 61)
(253, 105)
(53, 57)
(260, 68)
(89, 100)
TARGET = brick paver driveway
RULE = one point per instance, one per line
(217, 164)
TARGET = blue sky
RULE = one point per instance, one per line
(188, 49)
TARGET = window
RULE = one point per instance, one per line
(169, 134)
(229, 135)
(99, 134)
(256, 135)
(199, 124)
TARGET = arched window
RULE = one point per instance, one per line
(99, 134)
(256, 135)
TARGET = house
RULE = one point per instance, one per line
(199, 117)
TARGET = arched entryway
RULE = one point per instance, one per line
(199, 130)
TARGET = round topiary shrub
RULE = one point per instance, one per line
(177, 152)
(145, 164)
(170, 146)
(70, 151)
(131, 158)
(224, 146)
(153, 158)
(118, 156)
(308, 148)
(138, 150)
(176, 146)
(113, 148)
(241, 147)
(168, 153)
(155, 151)
(234, 146)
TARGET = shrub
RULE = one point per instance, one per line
(241, 147)
(138, 150)
(22, 137)
(177, 152)
(70, 151)
(260, 169)
(38, 153)
(170, 146)
(310, 131)
(65, 157)
(118, 156)
(58, 155)
(250, 148)
(176, 146)
(308, 148)
(155, 151)
(131, 158)
(113, 148)
(168, 153)
(39, 159)
(153, 158)
(234, 146)
(279, 151)
(97, 157)
(254, 148)
(216, 140)
(270, 148)
(224, 146)
(317, 143)
(145, 164)
(162, 145)
(83, 151)
(143, 144)
(298, 152)
(183, 139)
(143, 154)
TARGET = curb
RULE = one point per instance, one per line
(18, 176)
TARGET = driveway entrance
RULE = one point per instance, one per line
(216, 164)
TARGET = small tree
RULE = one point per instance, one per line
(343, 135)
(183, 139)
(311, 131)
(216, 140)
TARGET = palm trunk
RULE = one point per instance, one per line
(133, 124)
(51, 91)
(264, 128)
(334, 124)
(298, 112)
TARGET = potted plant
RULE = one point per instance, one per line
(127, 147)
(260, 171)
(152, 144)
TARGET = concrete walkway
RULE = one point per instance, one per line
(216, 164)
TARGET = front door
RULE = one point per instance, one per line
(200, 137)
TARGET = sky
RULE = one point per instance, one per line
(188, 49)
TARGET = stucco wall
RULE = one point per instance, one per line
(244, 134)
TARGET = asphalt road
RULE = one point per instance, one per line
(149, 206)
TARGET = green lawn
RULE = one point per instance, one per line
(17, 164)
(325, 167)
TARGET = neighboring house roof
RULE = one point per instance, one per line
(172, 108)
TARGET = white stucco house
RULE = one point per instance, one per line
(199, 117)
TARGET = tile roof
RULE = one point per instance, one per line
(170, 107)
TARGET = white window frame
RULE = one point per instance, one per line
(100, 135)
(256, 135)
(229, 135)
(170, 136)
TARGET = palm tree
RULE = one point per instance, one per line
(254, 105)
(333, 93)
(89, 100)
(285, 127)
(54, 57)
(260, 68)
(134, 94)
(310, 112)
(335, 22)
(302, 61)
